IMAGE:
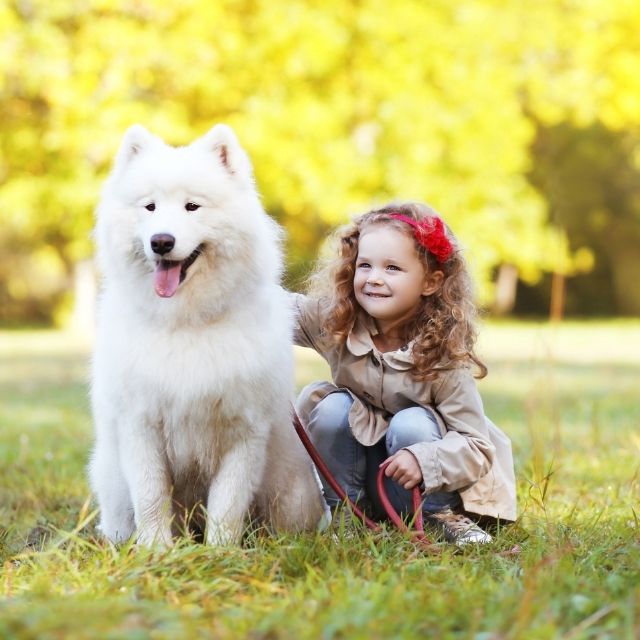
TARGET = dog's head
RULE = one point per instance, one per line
(185, 217)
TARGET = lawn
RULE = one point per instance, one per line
(566, 394)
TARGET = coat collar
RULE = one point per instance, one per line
(360, 343)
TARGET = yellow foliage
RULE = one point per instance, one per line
(341, 105)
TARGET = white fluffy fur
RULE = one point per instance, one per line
(191, 394)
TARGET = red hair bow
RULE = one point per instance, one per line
(430, 234)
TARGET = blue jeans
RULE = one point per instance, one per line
(355, 466)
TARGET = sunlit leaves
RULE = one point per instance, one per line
(341, 105)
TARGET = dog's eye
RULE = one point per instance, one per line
(191, 206)
(150, 207)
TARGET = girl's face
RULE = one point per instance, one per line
(389, 279)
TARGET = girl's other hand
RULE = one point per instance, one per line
(404, 469)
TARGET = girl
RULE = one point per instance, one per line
(393, 316)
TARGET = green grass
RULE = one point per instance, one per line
(568, 397)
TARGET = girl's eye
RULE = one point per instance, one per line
(150, 207)
(363, 265)
(392, 267)
(191, 206)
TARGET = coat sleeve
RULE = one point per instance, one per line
(465, 453)
(306, 321)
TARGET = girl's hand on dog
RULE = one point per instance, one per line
(404, 469)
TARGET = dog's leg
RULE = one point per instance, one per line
(109, 485)
(291, 495)
(232, 491)
(146, 470)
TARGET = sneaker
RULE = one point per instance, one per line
(457, 528)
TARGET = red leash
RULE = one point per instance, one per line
(419, 535)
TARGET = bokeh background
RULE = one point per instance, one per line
(519, 121)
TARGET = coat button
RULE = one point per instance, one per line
(404, 348)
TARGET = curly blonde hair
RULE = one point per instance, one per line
(444, 329)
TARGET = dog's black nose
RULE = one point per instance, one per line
(162, 243)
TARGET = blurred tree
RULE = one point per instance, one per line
(341, 106)
(583, 92)
(592, 183)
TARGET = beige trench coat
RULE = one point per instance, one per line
(473, 457)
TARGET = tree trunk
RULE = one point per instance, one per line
(625, 267)
(556, 310)
(506, 285)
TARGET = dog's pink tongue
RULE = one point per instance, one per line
(167, 278)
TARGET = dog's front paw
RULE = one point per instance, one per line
(155, 537)
(222, 534)
(117, 532)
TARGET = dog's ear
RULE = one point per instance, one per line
(136, 140)
(222, 142)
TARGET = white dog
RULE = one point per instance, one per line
(192, 371)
